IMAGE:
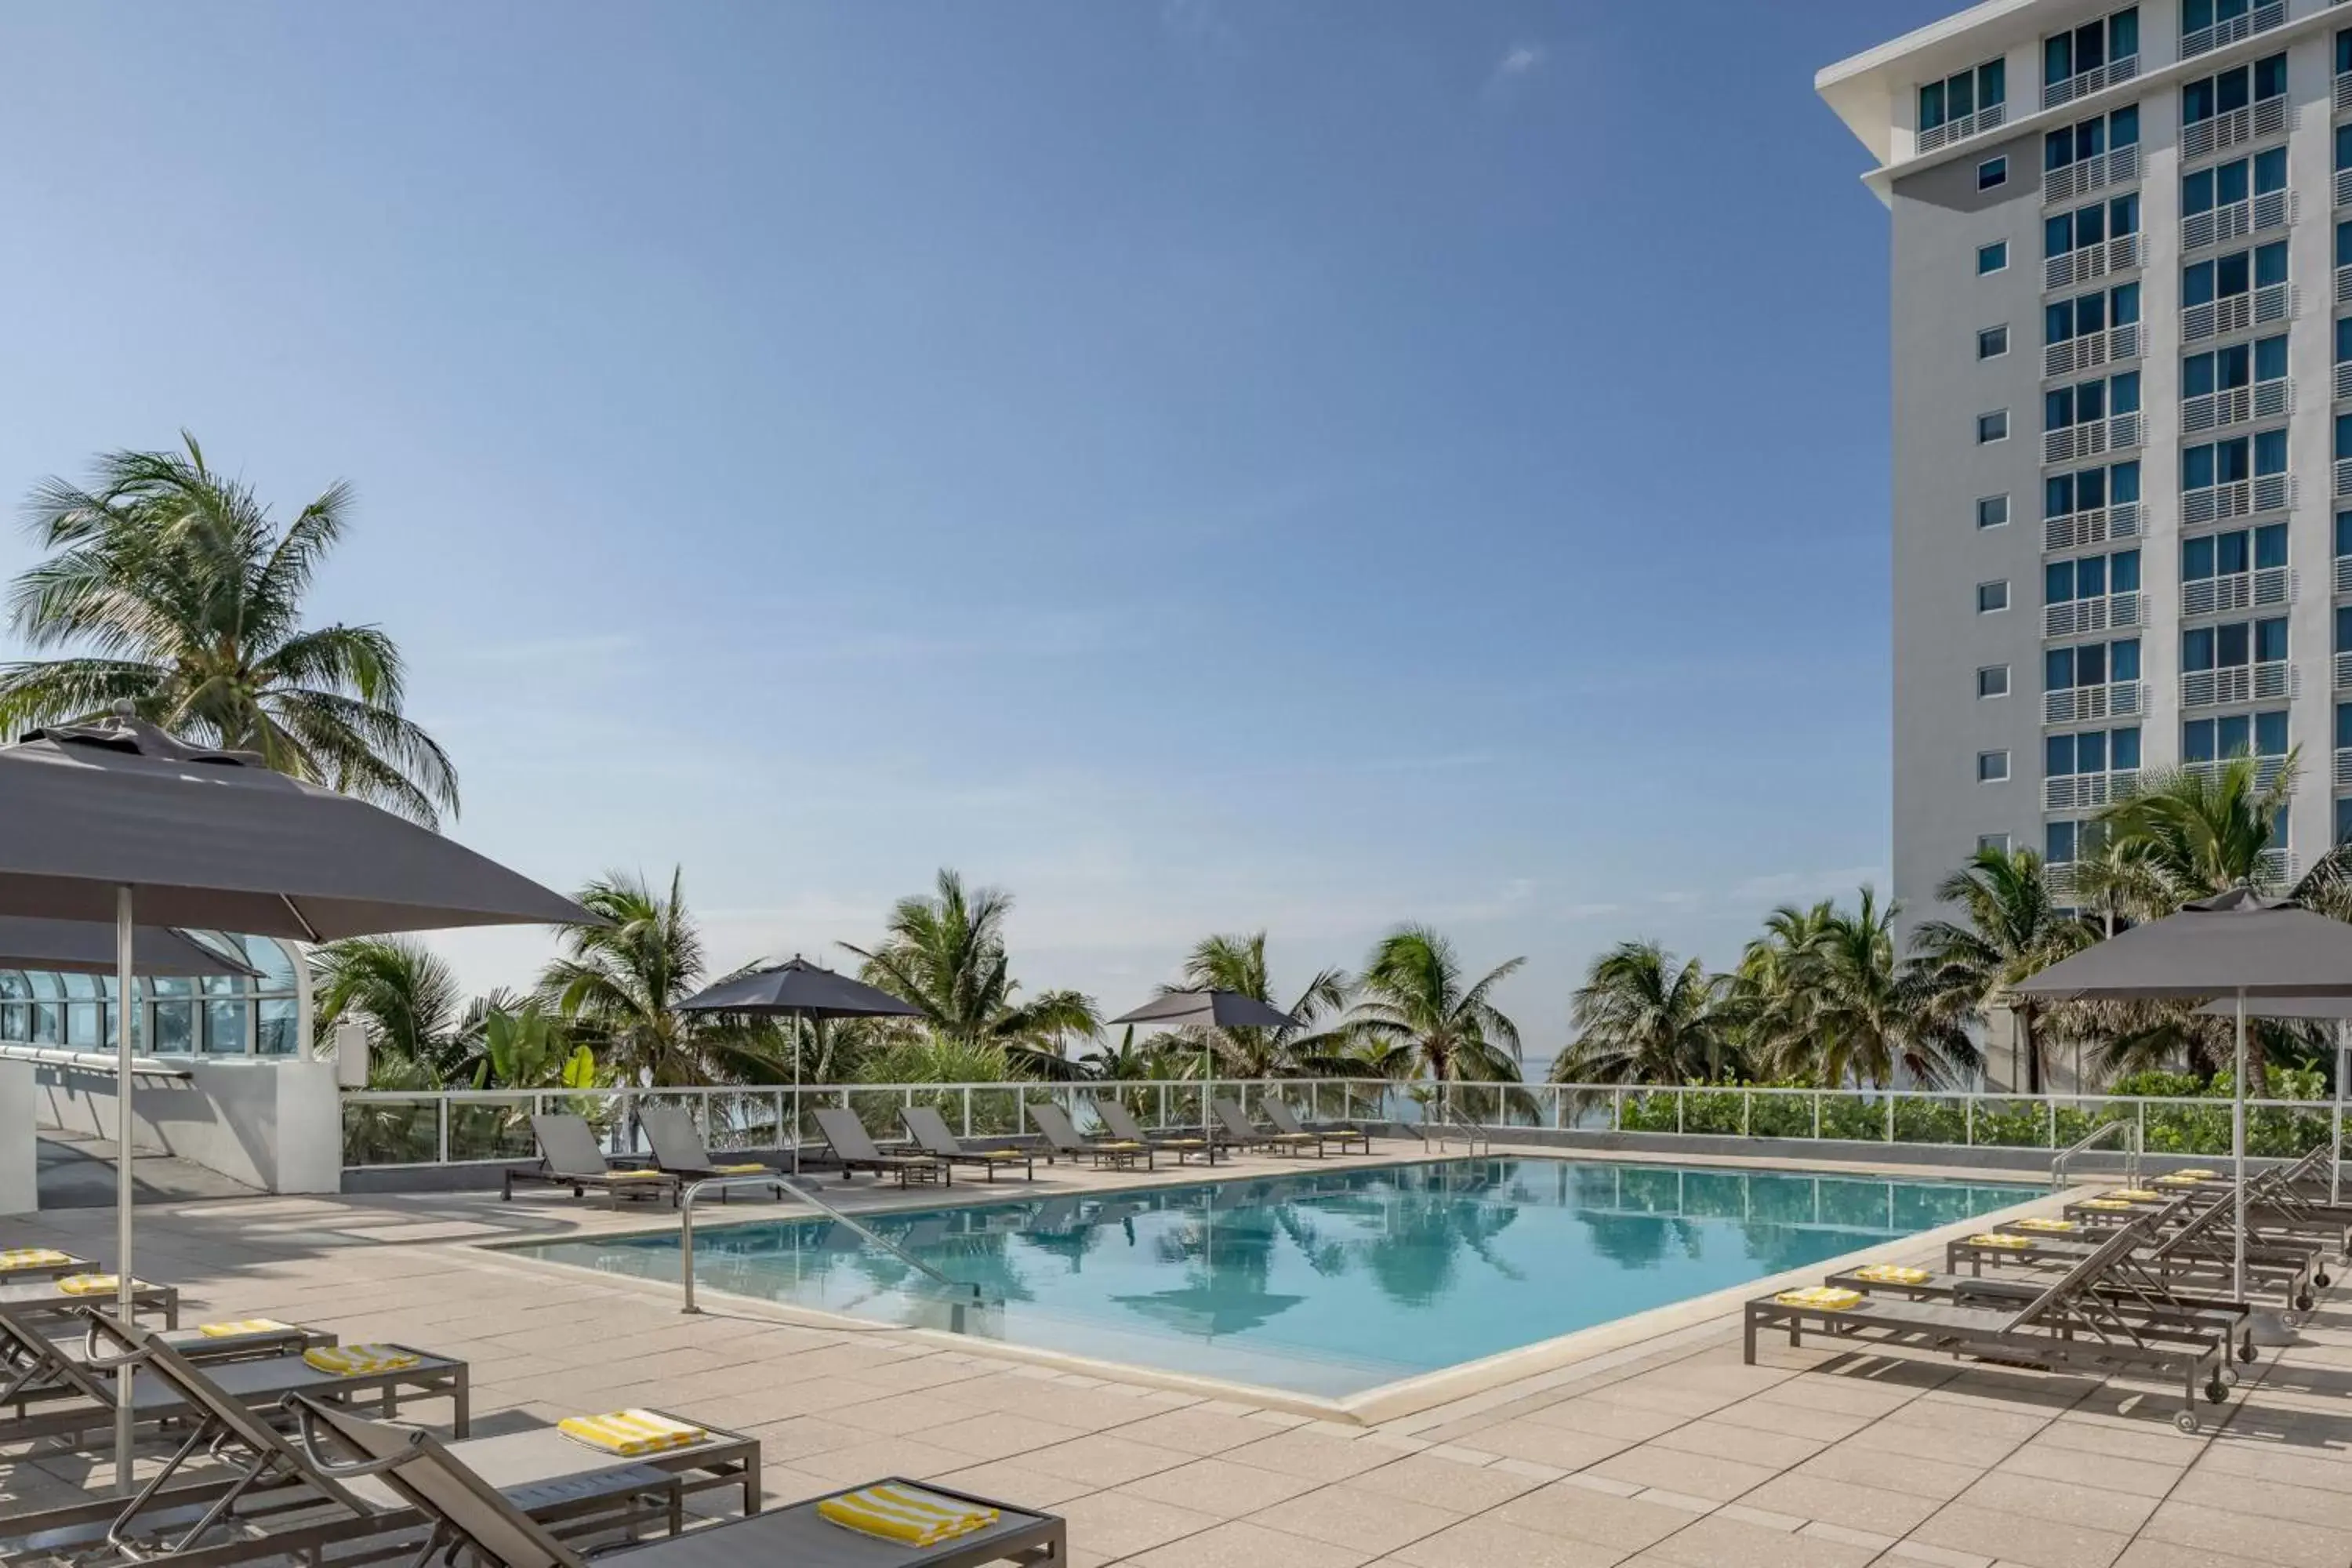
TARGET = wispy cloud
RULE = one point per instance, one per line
(1519, 62)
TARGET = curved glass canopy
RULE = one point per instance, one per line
(224, 1016)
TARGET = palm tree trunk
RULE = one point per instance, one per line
(2031, 1047)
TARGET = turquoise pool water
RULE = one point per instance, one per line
(1325, 1283)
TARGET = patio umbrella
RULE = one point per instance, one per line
(1209, 1010)
(119, 821)
(2239, 945)
(799, 990)
(2337, 1010)
(85, 947)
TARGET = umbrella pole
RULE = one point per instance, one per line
(2238, 1145)
(123, 1186)
(797, 1020)
(1206, 1069)
(2335, 1147)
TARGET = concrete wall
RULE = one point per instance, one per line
(19, 1159)
(276, 1125)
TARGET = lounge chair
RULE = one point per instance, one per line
(569, 1157)
(930, 1131)
(1240, 1132)
(52, 1299)
(2067, 1326)
(479, 1523)
(2183, 1242)
(856, 1151)
(266, 1493)
(28, 1374)
(1287, 1122)
(1123, 1126)
(41, 1263)
(680, 1152)
(2130, 1287)
(85, 1402)
(1062, 1138)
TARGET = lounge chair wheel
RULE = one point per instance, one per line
(2302, 1303)
(2321, 1280)
(2291, 1320)
(2215, 1391)
(2186, 1422)
(2229, 1375)
(2246, 1352)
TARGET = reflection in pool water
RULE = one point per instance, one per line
(1329, 1282)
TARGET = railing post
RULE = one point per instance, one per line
(2050, 1105)
(1970, 1107)
(1890, 1118)
(967, 1112)
(778, 1123)
(1617, 1109)
(1747, 1112)
(1682, 1099)
(441, 1129)
(1816, 1116)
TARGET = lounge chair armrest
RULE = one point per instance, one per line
(305, 1432)
(93, 1348)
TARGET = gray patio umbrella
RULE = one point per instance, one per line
(799, 990)
(2337, 1010)
(85, 947)
(2239, 945)
(1209, 1009)
(118, 821)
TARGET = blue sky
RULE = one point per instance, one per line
(1199, 464)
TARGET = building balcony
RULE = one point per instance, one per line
(2105, 611)
(2091, 350)
(2238, 498)
(2343, 378)
(2237, 312)
(2344, 93)
(2343, 183)
(2240, 404)
(2077, 529)
(2081, 84)
(2344, 285)
(2344, 574)
(2267, 769)
(2081, 704)
(2116, 433)
(2079, 792)
(2093, 261)
(2344, 767)
(2237, 29)
(2273, 681)
(2116, 166)
(2344, 671)
(1991, 117)
(2238, 591)
(2234, 220)
(2235, 129)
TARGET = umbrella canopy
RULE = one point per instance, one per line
(804, 990)
(85, 947)
(1219, 1009)
(2237, 943)
(2307, 1009)
(215, 839)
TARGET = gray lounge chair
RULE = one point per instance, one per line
(856, 1151)
(46, 1299)
(27, 1375)
(2064, 1327)
(486, 1527)
(1121, 1123)
(1240, 1132)
(930, 1131)
(2185, 1243)
(679, 1150)
(60, 1264)
(569, 1157)
(1062, 1138)
(264, 1494)
(1286, 1122)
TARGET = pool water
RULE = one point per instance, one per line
(1322, 1283)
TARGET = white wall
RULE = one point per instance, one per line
(19, 1157)
(273, 1124)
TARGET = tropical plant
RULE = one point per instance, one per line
(617, 986)
(1129, 1062)
(2013, 930)
(2192, 832)
(1643, 1017)
(1851, 1013)
(529, 1048)
(187, 598)
(946, 955)
(1418, 1017)
(1238, 964)
(406, 997)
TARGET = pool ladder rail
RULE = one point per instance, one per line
(1442, 1125)
(2086, 1144)
(962, 1294)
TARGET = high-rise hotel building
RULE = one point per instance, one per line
(2122, 409)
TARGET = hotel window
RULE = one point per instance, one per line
(2260, 456)
(2092, 312)
(2344, 726)
(2094, 225)
(1992, 680)
(1993, 257)
(2235, 735)
(2063, 841)
(2343, 50)
(2225, 91)
(2224, 185)
(1958, 97)
(2232, 644)
(2344, 628)
(2343, 339)
(2342, 147)
(2090, 664)
(2241, 271)
(1992, 597)
(2090, 577)
(1998, 843)
(1993, 173)
(2078, 144)
(1992, 512)
(2344, 533)
(1992, 427)
(2242, 365)
(1992, 767)
(2342, 818)
(2089, 490)
(2343, 437)
(1993, 342)
(2065, 56)
(2091, 752)
(2232, 554)
(2087, 402)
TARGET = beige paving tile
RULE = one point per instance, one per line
(1118, 1525)
(2147, 1553)
(1192, 1430)
(1105, 1459)
(1717, 1440)
(2037, 1542)
(1443, 1483)
(1651, 1466)
(897, 1415)
(2066, 1502)
(1606, 1417)
(1855, 1460)
(1218, 1486)
(1714, 1540)
(1846, 1503)
(2265, 1540)
(1312, 1455)
(1589, 1515)
(1490, 1543)
(1530, 1439)
(1769, 1412)
(884, 1456)
(994, 1435)
(2107, 1472)
(1357, 1519)
(1008, 1480)
(1239, 1544)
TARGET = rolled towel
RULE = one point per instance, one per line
(748, 1170)
(631, 1433)
(2045, 1223)
(1892, 1274)
(361, 1360)
(1994, 1238)
(907, 1514)
(97, 1284)
(17, 1257)
(2105, 1205)
(1820, 1297)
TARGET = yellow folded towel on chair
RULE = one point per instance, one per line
(33, 1257)
(97, 1284)
(1892, 1274)
(2197, 1174)
(230, 1331)
(1118, 1143)
(1820, 1297)
(752, 1169)
(630, 1433)
(905, 1514)
(360, 1360)
(1994, 1238)
(2105, 1205)
(2136, 1194)
(633, 1175)
(2045, 1222)
(2179, 1179)
(1003, 1154)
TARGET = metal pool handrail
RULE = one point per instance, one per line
(2084, 1144)
(777, 1179)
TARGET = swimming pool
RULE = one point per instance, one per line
(1325, 1284)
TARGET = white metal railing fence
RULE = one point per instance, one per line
(2271, 399)
(394, 1127)
(2080, 178)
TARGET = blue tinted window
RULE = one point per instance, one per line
(2230, 182)
(2197, 740)
(2234, 735)
(2269, 171)
(2197, 559)
(2270, 359)
(2091, 752)
(2058, 408)
(2125, 744)
(2233, 644)
(2058, 667)
(2196, 468)
(2269, 264)
(2269, 640)
(2126, 303)
(1992, 258)
(2197, 193)
(1992, 173)
(2343, 725)
(2344, 819)
(2344, 628)
(2230, 553)
(2269, 73)
(2058, 495)
(2270, 734)
(2123, 126)
(2127, 658)
(2197, 648)
(2091, 665)
(2123, 570)
(2123, 393)
(2090, 577)
(2058, 235)
(2058, 583)
(2124, 478)
(2197, 284)
(2270, 451)
(2058, 844)
(2058, 755)
(2269, 545)
(2197, 374)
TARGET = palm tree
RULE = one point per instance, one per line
(187, 598)
(1237, 964)
(2013, 930)
(1857, 1016)
(1768, 998)
(404, 994)
(946, 955)
(1642, 1017)
(617, 986)
(1415, 1010)
(2192, 832)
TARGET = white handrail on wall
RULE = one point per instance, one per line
(92, 1061)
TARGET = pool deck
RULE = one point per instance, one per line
(1667, 1450)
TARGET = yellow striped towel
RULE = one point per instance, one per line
(907, 1514)
(2136, 1194)
(2197, 1174)
(241, 1326)
(1994, 1238)
(33, 1257)
(1183, 1143)
(1118, 1143)
(753, 1169)
(360, 1360)
(2103, 1204)
(1003, 1154)
(2045, 1222)
(96, 1284)
(633, 1175)
(1892, 1274)
(1820, 1297)
(630, 1433)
